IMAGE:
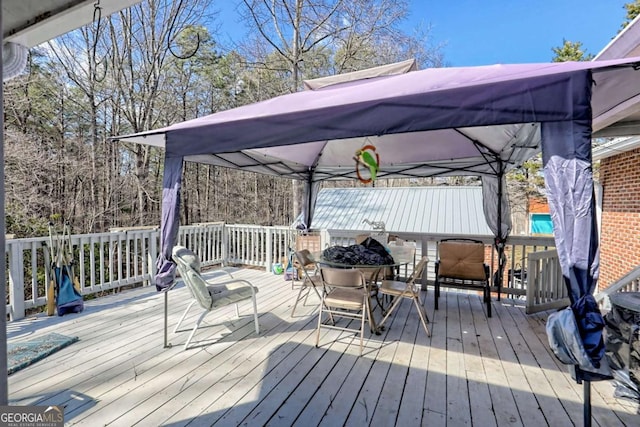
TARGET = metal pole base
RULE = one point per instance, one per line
(587, 403)
(167, 344)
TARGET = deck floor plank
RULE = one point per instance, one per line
(458, 407)
(534, 372)
(512, 398)
(346, 388)
(317, 402)
(480, 372)
(435, 399)
(304, 364)
(341, 351)
(78, 363)
(228, 372)
(182, 393)
(303, 383)
(394, 389)
(367, 397)
(327, 378)
(413, 396)
(471, 371)
(155, 376)
(569, 394)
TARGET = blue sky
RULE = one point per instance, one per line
(480, 32)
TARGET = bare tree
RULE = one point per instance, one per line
(311, 38)
(141, 63)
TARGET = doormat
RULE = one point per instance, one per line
(22, 354)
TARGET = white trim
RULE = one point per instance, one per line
(59, 18)
(615, 146)
(625, 42)
(598, 191)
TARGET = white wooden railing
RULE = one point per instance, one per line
(546, 289)
(103, 262)
(126, 257)
(630, 282)
(256, 245)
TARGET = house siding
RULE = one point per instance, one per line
(620, 232)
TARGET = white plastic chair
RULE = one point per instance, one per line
(210, 295)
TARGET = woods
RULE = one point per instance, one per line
(160, 62)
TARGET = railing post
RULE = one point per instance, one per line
(325, 239)
(224, 245)
(16, 281)
(269, 255)
(531, 285)
(153, 255)
(424, 251)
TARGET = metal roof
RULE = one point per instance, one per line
(442, 209)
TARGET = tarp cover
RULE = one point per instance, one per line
(623, 343)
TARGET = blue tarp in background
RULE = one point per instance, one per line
(541, 223)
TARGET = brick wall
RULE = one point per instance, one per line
(620, 236)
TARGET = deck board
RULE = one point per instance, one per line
(471, 371)
(435, 400)
(458, 402)
(482, 373)
(380, 395)
(512, 398)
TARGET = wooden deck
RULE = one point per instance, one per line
(472, 371)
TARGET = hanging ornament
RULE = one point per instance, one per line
(369, 158)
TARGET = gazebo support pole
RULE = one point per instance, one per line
(500, 245)
(587, 403)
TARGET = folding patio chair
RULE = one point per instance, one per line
(310, 277)
(409, 289)
(346, 296)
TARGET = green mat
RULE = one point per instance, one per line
(22, 354)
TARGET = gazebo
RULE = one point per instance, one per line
(481, 121)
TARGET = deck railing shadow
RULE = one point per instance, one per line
(64, 395)
(234, 330)
(32, 324)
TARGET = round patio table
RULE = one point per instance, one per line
(400, 259)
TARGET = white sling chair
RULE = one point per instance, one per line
(210, 295)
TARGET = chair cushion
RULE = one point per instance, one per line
(229, 293)
(198, 288)
(464, 260)
(187, 257)
(394, 287)
(351, 299)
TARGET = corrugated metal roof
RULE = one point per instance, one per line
(446, 210)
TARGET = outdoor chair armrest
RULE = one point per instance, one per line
(229, 282)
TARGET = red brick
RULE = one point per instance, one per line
(620, 237)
